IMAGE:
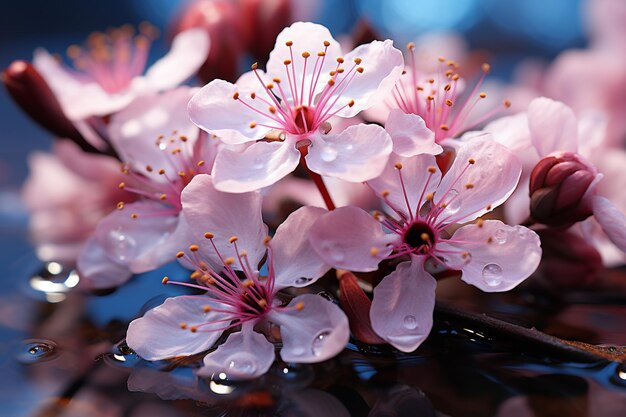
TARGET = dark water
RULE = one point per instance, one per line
(63, 355)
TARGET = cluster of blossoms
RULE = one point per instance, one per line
(198, 167)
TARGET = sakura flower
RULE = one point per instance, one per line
(438, 98)
(424, 207)
(308, 81)
(107, 74)
(312, 328)
(161, 151)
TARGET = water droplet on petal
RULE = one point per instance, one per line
(328, 153)
(302, 281)
(297, 350)
(34, 350)
(453, 201)
(334, 251)
(258, 163)
(244, 366)
(121, 246)
(410, 322)
(500, 236)
(318, 342)
(492, 275)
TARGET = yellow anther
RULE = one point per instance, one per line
(180, 254)
(200, 163)
(121, 185)
(332, 73)
(385, 194)
(206, 309)
(165, 280)
(480, 223)
(194, 248)
(229, 261)
(300, 306)
(267, 240)
(236, 96)
(209, 235)
(287, 61)
(432, 169)
(196, 275)
(289, 43)
(331, 82)
(321, 53)
(447, 87)
(488, 208)
(486, 68)
(490, 240)
(469, 186)
(232, 239)
(398, 165)
(424, 236)
(272, 109)
(134, 216)
(507, 103)
(252, 125)
(410, 46)
(340, 70)
(305, 54)
(276, 80)
(360, 70)
(183, 325)
(253, 95)
(441, 59)
(248, 283)
(254, 66)
(358, 61)
(269, 86)
(340, 60)
(482, 95)
(149, 168)
(163, 197)
(449, 103)
(243, 253)
(456, 77)
(430, 197)
(262, 303)
(193, 329)
(471, 161)
(373, 251)
(351, 103)
(183, 138)
(161, 171)
(326, 44)
(120, 205)
(444, 127)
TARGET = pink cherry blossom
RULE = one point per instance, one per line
(312, 329)
(67, 193)
(285, 111)
(107, 74)
(161, 151)
(423, 205)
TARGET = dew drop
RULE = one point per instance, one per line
(454, 204)
(500, 236)
(410, 322)
(302, 281)
(33, 351)
(334, 251)
(122, 246)
(258, 163)
(492, 275)
(318, 342)
(244, 366)
(328, 153)
(297, 350)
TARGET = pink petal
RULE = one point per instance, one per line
(418, 181)
(592, 131)
(97, 270)
(244, 355)
(511, 131)
(349, 238)
(259, 165)
(127, 239)
(612, 221)
(403, 304)
(214, 109)
(134, 130)
(410, 135)
(313, 333)
(357, 154)
(382, 66)
(158, 334)
(483, 176)
(306, 37)
(553, 126)
(500, 256)
(295, 261)
(187, 54)
(224, 215)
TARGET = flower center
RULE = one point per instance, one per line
(420, 236)
(305, 119)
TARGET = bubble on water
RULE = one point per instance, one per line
(37, 350)
(492, 275)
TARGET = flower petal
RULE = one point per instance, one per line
(215, 110)
(403, 304)
(417, 181)
(357, 154)
(500, 256)
(97, 270)
(259, 165)
(295, 262)
(224, 215)
(314, 331)
(305, 37)
(159, 334)
(134, 130)
(244, 355)
(612, 221)
(483, 175)
(382, 66)
(188, 52)
(126, 239)
(553, 126)
(511, 131)
(349, 238)
(410, 135)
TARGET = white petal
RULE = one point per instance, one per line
(612, 220)
(410, 135)
(403, 304)
(97, 270)
(295, 261)
(316, 332)
(511, 131)
(553, 126)
(188, 52)
(357, 154)
(158, 334)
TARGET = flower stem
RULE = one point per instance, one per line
(317, 179)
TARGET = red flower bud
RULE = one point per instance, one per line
(222, 21)
(558, 189)
(357, 305)
(569, 261)
(31, 92)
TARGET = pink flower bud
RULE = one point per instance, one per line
(569, 261)
(222, 21)
(31, 92)
(559, 189)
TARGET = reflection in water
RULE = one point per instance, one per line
(54, 281)
(33, 351)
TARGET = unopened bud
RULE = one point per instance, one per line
(559, 189)
(356, 305)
